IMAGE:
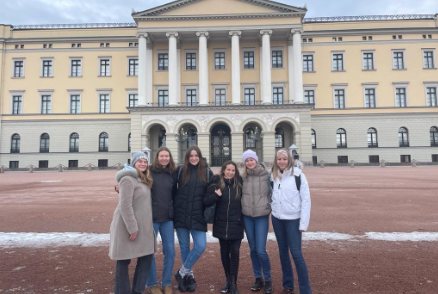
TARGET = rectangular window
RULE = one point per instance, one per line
(47, 68)
(102, 163)
(13, 164)
(277, 59)
(18, 69)
(17, 102)
(75, 104)
(191, 97)
(315, 160)
(219, 60)
(73, 163)
(339, 98)
(342, 159)
(163, 98)
(133, 67)
(163, 61)
(398, 60)
(248, 59)
(104, 103)
(405, 158)
(220, 97)
(76, 68)
(370, 98)
(46, 104)
(309, 97)
(400, 97)
(277, 95)
(374, 159)
(338, 62)
(249, 96)
(428, 61)
(105, 68)
(133, 100)
(43, 164)
(190, 61)
(368, 61)
(308, 63)
(431, 96)
(434, 157)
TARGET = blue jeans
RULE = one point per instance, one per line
(289, 237)
(168, 245)
(256, 229)
(190, 257)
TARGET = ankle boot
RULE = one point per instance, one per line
(258, 284)
(233, 285)
(268, 287)
(226, 287)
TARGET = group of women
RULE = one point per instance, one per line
(163, 197)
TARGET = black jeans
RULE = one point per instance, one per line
(230, 256)
(122, 285)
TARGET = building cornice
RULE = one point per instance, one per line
(74, 26)
(220, 16)
(378, 31)
(214, 109)
(371, 18)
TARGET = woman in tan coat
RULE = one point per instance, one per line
(132, 233)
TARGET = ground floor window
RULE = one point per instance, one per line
(73, 163)
(102, 163)
(374, 159)
(342, 159)
(43, 164)
(405, 158)
(13, 164)
(315, 160)
(434, 158)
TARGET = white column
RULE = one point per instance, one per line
(290, 67)
(149, 75)
(298, 67)
(178, 83)
(235, 66)
(203, 68)
(142, 63)
(173, 68)
(266, 51)
(261, 71)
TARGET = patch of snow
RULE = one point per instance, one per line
(19, 268)
(52, 181)
(403, 237)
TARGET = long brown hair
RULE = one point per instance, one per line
(237, 184)
(145, 176)
(156, 166)
(276, 169)
(202, 166)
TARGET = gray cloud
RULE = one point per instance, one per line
(92, 11)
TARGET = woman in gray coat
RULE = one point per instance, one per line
(132, 234)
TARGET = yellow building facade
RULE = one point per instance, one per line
(225, 75)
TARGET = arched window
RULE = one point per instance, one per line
(192, 137)
(129, 142)
(372, 138)
(341, 138)
(74, 142)
(433, 136)
(250, 138)
(403, 137)
(15, 143)
(313, 139)
(162, 137)
(103, 142)
(45, 143)
(279, 137)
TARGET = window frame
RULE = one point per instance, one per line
(99, 66)
(105, 147)
(341, 145)
(313, 61)
(401, 140)
(338, 88)
(220, 87)
(43, 60)
(43, 93)
(157, 96)
(158, 53)
(103, 92)
(341, 53)
(15, 93)
(130, 92)
(277, 49)
(280, 135)
(401, 86)
(76, 143)
(45, 149)
(432, 85)
(433, 132)
(191, 51)
(246, 50)
(370, 86)
(374, 143)
(71, 59)
(15, 143)
(191, 103)
(313, 139)
(249, 86)
(432, 50)
(215, 51)
(396, 51)
(281, 86)
(136, 66)
(18, 59)
(373, 61)
(74, 93)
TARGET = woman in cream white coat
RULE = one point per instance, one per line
(132, 233)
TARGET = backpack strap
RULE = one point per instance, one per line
(298, 182)
(208, 175)
(179, 172)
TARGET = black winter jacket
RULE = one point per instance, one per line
(162, 195)
(228, 221)
(188, 206)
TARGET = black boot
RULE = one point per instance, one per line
(268, 287)
(233, 285)
(258, 285)
(226, 287)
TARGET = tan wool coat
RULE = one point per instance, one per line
(133, 214)
(256, 197)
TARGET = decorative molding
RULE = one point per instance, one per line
(369, 18)
(144, 120)
(296, 31)
(235, 33)
(204, 34)
(266, 32)
(236, 120)
(171, 121)
(295, 116)
(144, 35)
(268, 119)
(203, 121)
(172, 34)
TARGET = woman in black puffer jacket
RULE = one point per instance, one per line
(226, 192)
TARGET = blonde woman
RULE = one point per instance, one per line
(132, 233)
(290, 218)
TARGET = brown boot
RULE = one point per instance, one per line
(287, 291)
(168, 290)
(154, 290)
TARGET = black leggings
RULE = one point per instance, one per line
(122, 285)
(230, 256)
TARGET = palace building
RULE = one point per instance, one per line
(226, 75)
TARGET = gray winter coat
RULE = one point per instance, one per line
(133, 214)
(256, 198)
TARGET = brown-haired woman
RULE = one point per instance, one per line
(226, 191)
(131, 233)
(193, 179)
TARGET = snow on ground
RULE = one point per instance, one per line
(42, 240)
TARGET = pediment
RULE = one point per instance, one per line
(211, 8)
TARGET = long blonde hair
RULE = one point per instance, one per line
(145, 176)
(276, 169)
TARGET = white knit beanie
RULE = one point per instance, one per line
(249, 154)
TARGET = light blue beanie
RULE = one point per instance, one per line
(249, 154)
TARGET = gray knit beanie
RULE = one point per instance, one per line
(135, 156)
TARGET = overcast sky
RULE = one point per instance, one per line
(91, 11)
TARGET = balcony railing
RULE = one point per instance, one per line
(44, 150)
(15, 150)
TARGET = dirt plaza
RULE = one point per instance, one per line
(372, 230)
